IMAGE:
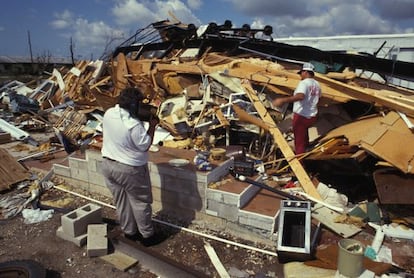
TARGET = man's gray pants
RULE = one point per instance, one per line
(131, 189)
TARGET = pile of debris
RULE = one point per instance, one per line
(214, 86)
(212, 89)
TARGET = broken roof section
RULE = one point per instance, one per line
(165, 36)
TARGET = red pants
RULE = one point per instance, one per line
(300, 127)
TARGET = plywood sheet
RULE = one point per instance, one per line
(388, 138)
(11, 171)
(394, 147)
(354, 131)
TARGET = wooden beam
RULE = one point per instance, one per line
(367, 95)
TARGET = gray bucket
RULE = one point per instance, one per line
(350, 257)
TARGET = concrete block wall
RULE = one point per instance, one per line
(176, 189)
(84, 172)
(230, 205)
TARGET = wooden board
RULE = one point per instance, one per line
(120, 260)
(11, 171)
(121, 82)
(395, 148)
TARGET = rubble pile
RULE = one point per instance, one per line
(209, 91)
(212, 89)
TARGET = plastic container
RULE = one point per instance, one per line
(350, 257)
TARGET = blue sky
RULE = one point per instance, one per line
(92, 23)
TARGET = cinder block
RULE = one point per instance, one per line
(61, 170)
(92, 154)
(75, 223)
(223, 210)
(214, 195)
(79, 240)
(222, 196)
(231, 199)
(92, 165)
(96, 178)
(97, 243)
(258, 221)
(178, 200)
(78, 169)
(179, 184)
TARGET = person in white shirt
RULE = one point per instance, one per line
(125, 151)
(305, 106)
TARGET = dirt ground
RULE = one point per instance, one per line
(61, 258)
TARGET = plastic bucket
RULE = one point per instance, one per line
(350, 257)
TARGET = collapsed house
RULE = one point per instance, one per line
(196, 80)
(212, 89)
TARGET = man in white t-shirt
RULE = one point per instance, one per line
(305, 106)
(125, 165)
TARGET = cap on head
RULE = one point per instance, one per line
(307, 67)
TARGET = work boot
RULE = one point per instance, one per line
(134, 237)
(153, 240)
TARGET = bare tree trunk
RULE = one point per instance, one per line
(71, 51)
(30, 46)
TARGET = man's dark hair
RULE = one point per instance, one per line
(130, 99)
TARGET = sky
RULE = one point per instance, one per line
(52, 26)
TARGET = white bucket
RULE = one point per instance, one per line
(350, 257)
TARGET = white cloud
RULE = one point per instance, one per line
(87, 37)
(356, 19)
(194, 4)
(142, 13)
(63, 20)
(127, 12)
(323, 17)
(176, 8)
(2, 28)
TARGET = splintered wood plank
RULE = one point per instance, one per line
(366, 95)
(121, 82)
(120, 260)
(11, 171)
(280, 140)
